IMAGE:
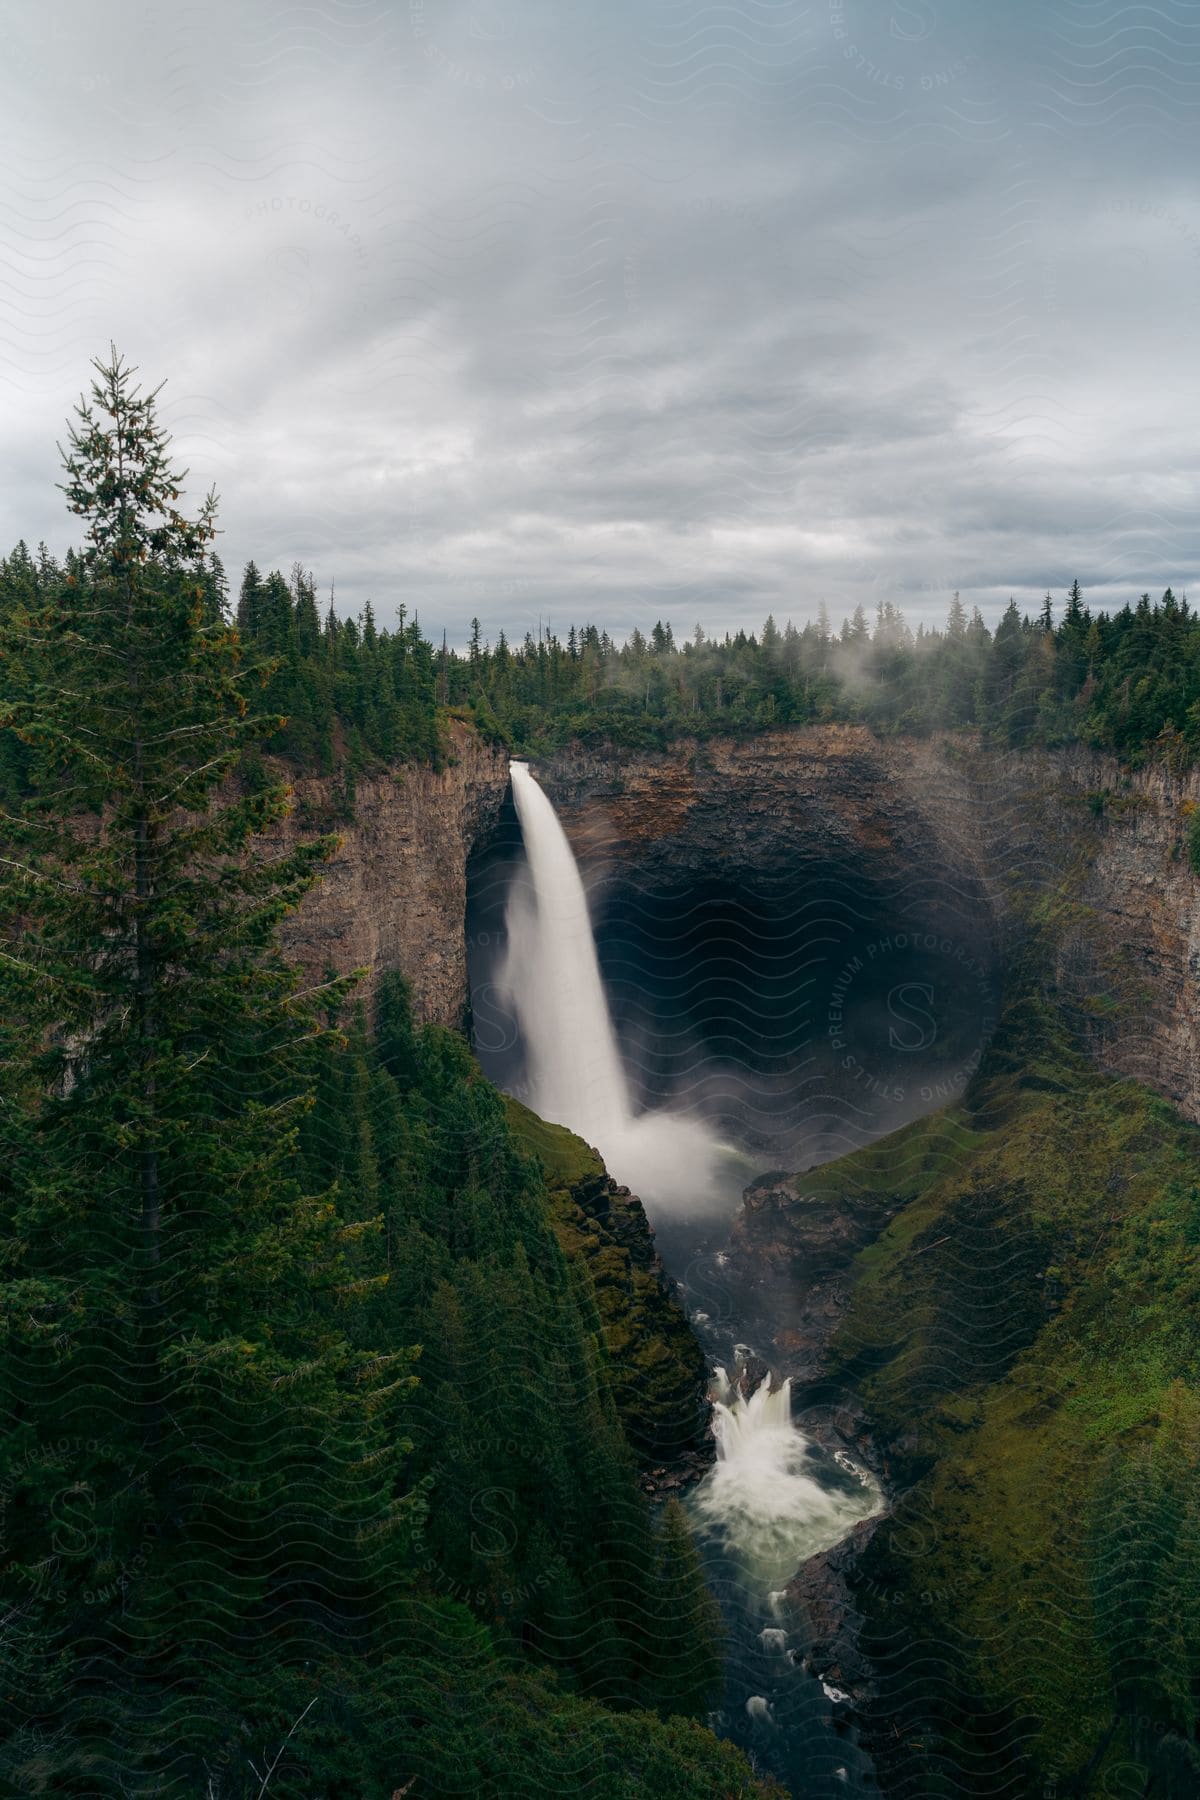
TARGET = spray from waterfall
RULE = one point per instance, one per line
(573, 1061)
(773, 1500)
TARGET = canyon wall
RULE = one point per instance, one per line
(977, 842)
(1067, 841)
(894, 816)
(1097, 855)
(394, 895)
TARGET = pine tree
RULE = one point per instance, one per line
(250, 602)
(274, 615)
(306, 620)
(685, 1658)
(182, 1396)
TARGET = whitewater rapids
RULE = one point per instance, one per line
(763, 1497)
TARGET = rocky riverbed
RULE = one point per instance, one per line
(787, 1268)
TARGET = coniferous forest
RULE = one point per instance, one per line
(314, 1479)
(351, 695)
(322, 1472)
(599, 901)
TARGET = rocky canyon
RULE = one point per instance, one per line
(954, 839)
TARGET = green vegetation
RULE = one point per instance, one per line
(1127, 682)
(328, 1373)
(656, 1366)
(1025, 1333)
(314, 1479)
(1193, 843)
(347, 696)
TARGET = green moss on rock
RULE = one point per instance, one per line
(656, 1368)
(1024, 1331)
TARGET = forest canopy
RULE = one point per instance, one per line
(350, 695)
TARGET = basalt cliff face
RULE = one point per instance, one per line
(1100, 854)
(949, 836)
(952, 836)
(394, 894)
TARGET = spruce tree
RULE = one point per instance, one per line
(249, 607)
(196, 1457)
(686, 1637)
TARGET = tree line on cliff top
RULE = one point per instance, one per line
(353, 695)
(313, 1477)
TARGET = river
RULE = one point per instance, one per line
(773, 1497)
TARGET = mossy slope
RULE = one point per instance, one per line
(656, 1368)
(1025, 1334)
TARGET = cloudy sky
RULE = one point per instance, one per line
(620, 309)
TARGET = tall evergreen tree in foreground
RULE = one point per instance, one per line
(178, 1394)
(222, 1224)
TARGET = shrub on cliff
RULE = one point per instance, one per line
(1193, 842)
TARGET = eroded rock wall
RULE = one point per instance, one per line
(394, 895)
(951, 831)
(1098, 854)
(1095, 853)
(772, 802)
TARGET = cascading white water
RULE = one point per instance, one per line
(763, 1495)
(763, 1498)
(573, 1062)
(571, 1051)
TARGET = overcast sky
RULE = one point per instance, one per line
(624, 309)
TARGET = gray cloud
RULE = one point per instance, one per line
(517, 309)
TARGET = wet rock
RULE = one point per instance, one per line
(748, 1373)
(828, 1619)
(790, 1258)
(681, 1473)
(794, 1234)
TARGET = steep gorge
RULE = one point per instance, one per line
(393, 897)
(1003, 1286)
(948, 833)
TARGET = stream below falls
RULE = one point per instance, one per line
(773, 1497)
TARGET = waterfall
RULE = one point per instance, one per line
(772, 1497)
(573, 1062)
